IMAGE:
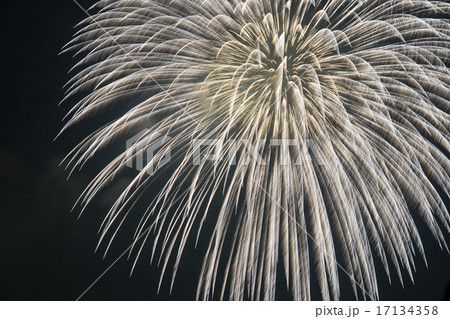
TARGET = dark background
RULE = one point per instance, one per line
(46, 252)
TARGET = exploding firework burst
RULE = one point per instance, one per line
(365, 82)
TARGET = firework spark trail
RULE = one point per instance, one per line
(366, 81)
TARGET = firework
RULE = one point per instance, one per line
(364, 83)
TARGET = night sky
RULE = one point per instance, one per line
(47, 253)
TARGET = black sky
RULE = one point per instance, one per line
(46, 253)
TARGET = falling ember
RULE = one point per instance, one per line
(366, 83)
